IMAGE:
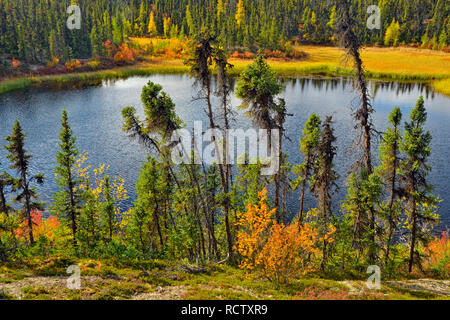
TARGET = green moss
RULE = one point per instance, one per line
(36, 293)
(55, 266)
(121, 290)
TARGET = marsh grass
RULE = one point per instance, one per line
(442, 86)
(391, 64)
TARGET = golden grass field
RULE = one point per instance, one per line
(398, 64)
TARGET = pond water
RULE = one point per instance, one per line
(95, 116)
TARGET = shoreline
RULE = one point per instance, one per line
(404, 65)
(86, 79)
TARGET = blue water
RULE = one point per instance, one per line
(95, 116)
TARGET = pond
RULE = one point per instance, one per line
(95, 116)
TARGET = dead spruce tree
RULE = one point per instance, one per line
(349, 41)
(202, 57)
(323, 183)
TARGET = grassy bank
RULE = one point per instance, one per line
(392, 64)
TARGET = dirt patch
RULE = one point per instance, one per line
(163, 293)
(52, 284)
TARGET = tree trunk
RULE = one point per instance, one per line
(222, 175)
(413, 235)
(391, 202)
(28, 207)
(302, 200)
(72, 209)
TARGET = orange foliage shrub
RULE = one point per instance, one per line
(53, 63)
(439, 254)
(277, 251)
(73, 65)
(235, 54)
(15, 63)
(125, 55)
(246, 55)
(41, 227)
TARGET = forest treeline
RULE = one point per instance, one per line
(35, 30)
(200, 213)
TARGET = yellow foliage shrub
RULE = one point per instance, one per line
(277, 251)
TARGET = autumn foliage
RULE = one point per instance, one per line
(73, 65)
(15, 63)
(42, 228)
(439, 255)
(277, 251)
(125, 55)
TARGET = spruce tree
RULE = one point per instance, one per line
(389, 171)
(66, 201)
(202, 55)
(323, 183)
(415, 168)
(308, 147)
(258, 87)
(20, 161)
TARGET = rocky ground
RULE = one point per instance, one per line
(109, 288)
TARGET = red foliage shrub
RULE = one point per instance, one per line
(15, 63)
(110, 48)
(125, 55)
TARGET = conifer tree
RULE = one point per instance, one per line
(258, 87)
(190, 21)
(415, 168)
(323, 183)
(308, 147)
(66, 201)
(20, 161)
(363, 194)
(201, 57)
(141, 19)
(389, 171)
(351, 43)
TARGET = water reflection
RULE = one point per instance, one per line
(95, 115)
